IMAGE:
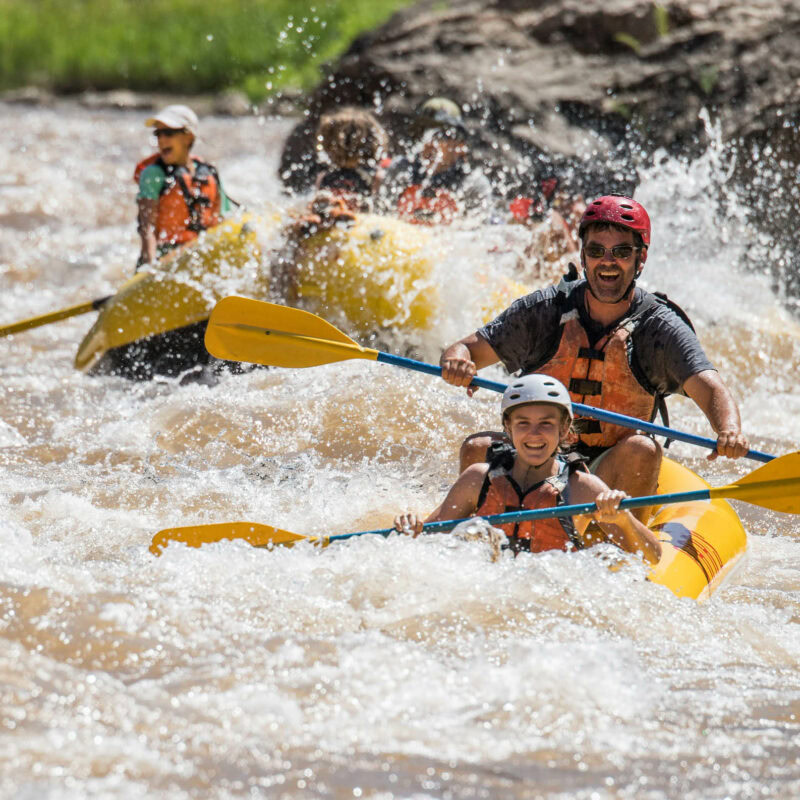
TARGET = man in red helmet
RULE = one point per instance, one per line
(614, 345)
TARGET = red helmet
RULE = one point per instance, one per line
(621, 211)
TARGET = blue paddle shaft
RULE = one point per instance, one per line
(580, 409)
(547, 513)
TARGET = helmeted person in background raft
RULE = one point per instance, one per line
(615, 346)
(437, 182)
(179, 194)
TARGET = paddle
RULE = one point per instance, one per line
(775, 486)
(241, 329)
(54, 316)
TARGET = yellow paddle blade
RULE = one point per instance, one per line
(776, 485)
(241, 329)
(53, 316)
(253, 532)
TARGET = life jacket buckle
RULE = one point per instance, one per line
(585, 386)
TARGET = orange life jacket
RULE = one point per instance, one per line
(525, 208)
(601, 376)
(427, 206)
(501, 493)
(352, 185)
(188, 203)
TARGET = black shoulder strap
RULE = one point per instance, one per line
(573, 462)
(500, 455)
(566, 294)
(671, 304)
(168, 172)
(487, 482)
(648, 302)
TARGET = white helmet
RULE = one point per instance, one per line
(537, 388)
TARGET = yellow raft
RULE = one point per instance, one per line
(377, 274)
(374, 274)
(702, 542)
(154, 325)
(381, 273)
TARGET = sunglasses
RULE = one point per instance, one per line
(621, 252)
(168, 131)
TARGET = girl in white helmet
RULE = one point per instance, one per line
(537, 414)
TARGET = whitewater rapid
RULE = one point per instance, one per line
(377, 668)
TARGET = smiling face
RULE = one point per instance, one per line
(610, 278)
(536, 431)
(173, 145)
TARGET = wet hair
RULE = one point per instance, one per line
(608, 226)
(351, 138)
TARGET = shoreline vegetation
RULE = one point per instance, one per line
(186, 47)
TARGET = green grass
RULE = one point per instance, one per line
(182, 46)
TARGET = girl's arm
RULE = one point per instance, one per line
(620, 526)
(461, 501)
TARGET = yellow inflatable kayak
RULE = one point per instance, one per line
(154, 325)
(702, 541)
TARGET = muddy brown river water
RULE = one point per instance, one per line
(377, 668)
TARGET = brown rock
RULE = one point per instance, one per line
(590, 90)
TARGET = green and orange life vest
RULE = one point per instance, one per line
(188, 203)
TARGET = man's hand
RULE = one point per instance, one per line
(461, 361)
(458, 368)
(731, 445)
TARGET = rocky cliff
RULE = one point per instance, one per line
(588, 89)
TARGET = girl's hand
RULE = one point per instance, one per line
(410, 524)
(608, 510)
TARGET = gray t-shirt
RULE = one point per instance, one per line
(665, 350)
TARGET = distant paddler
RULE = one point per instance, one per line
(438, 181)
(530, 473)
(352, 145)
(554, 242)
(180, 195)
(614, 345)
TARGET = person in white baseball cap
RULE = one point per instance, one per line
(179, 194)
(530, 474)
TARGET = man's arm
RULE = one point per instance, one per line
(461, 361)
(707, 389)
(518, 337)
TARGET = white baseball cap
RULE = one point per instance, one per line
(175, 117)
